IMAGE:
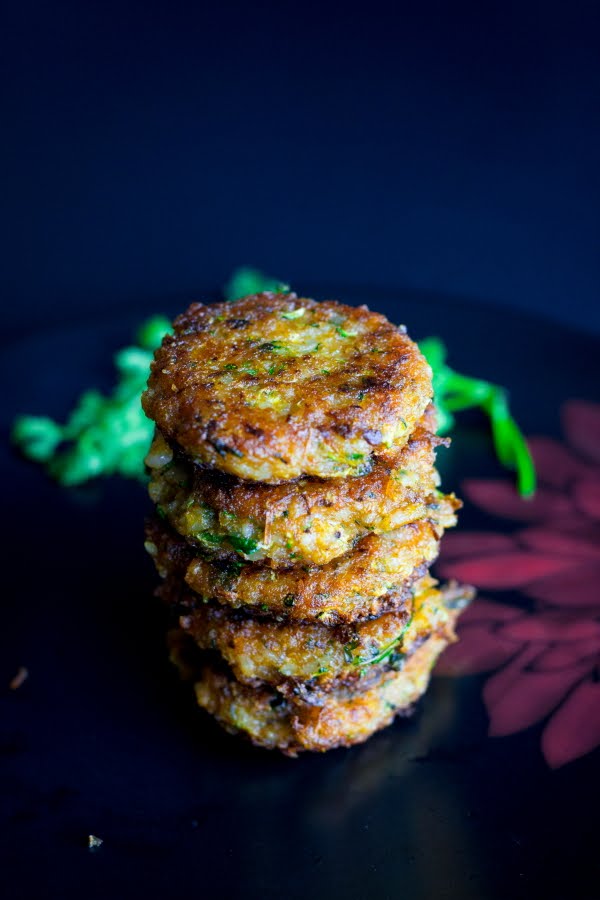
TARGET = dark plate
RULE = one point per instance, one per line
(102, 739)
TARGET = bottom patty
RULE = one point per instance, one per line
(342, 717)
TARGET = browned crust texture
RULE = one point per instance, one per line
(312, 660)
(304, 521)
(371, 579)
(274, 387)
(343, 718)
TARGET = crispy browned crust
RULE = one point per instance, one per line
(309, 660)
(304, 521)
(263, 650)
(371, 579)
(341, 718)
(244, 389)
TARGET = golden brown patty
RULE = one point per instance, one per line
(307, 660)
(345, 717)
(273, 387)
(302, 521)
(369, 580)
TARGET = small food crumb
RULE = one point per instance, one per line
(21, 676)
(94, 843)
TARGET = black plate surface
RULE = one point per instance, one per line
(102, 738)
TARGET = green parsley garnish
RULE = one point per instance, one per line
(242, 544)
(323, 670)
(207, 537)
(454, 392)
(348, 650)
(345, 334)
(376, 658)
(246, 281)
(293, 313)
(105, 434)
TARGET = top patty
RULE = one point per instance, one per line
(273, 387)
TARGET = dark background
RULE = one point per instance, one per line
(146, 151)
(148, 148)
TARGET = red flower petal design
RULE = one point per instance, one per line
(501, 499)
(473, 543)
(582, 424)
(574, 729)
(569, 654)
(555, 464)
(528, 697)
(576, 588)
(578, 544)
(550, 626)
(506, 570)
(543, 658)
(500, 683)
(479, 650)
(490, 612)
(587, 497)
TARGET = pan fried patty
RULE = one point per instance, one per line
(273, 387)
(345, 717)
(302, 521)
(307, 660)
(369, 580)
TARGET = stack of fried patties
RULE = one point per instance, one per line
(297, 515)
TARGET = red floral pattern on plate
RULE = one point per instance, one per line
(545, 662)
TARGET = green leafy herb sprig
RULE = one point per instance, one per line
(104, 434)
(110, 435)
(382, 655)
(454, 392)
(247, 281)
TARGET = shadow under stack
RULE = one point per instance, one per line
(298, 513)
